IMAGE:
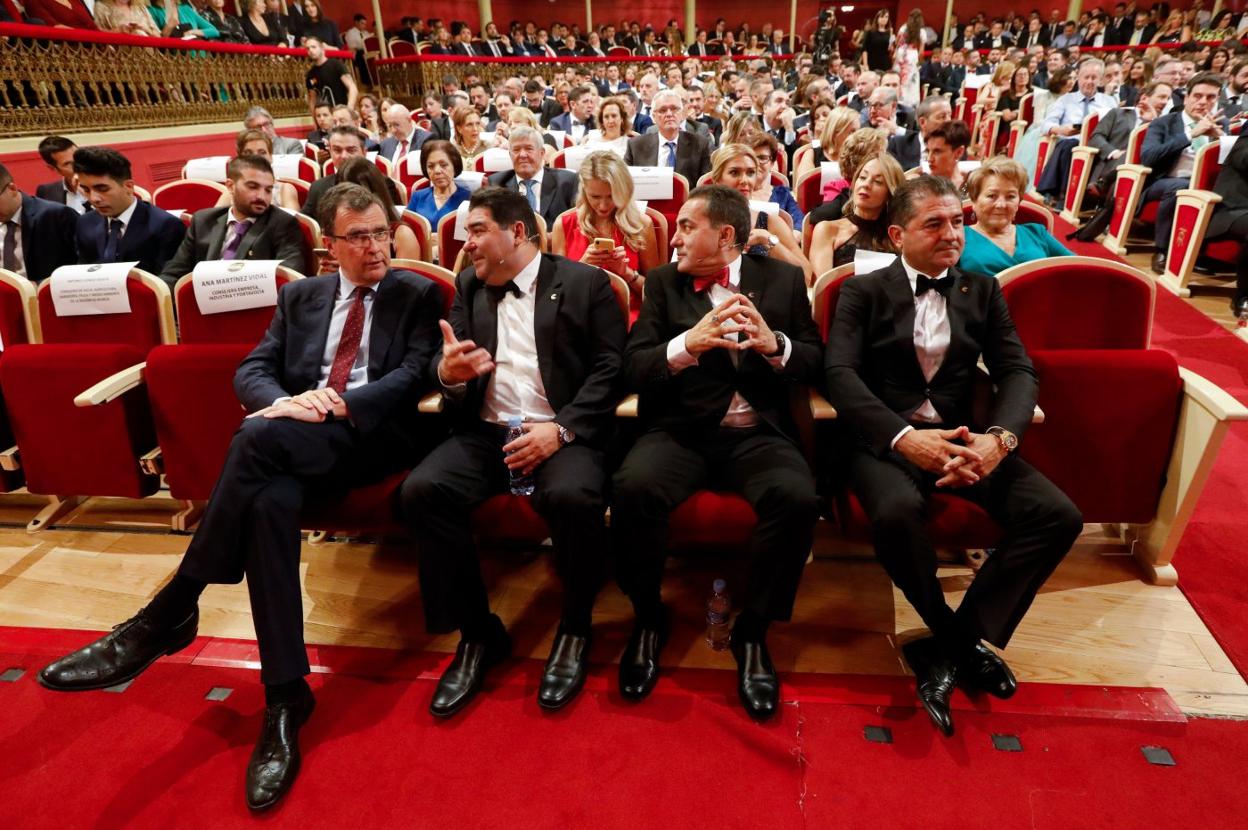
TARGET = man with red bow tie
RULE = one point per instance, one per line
(721, 341)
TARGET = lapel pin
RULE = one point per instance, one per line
(965, 289)
(554, 296)
(750, 294)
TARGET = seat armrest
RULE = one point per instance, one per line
(627, 408)
(431, 403)
(820, 408)
(113, 386)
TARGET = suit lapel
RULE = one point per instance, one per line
(386, 313)
(958, 307)
(321, 310)
(483, 327)
(545, 313)
(901, 296)
(216, 237)
(135, 235)
(254, 232)
(549, 185)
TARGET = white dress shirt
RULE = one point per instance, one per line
(576, 129)
(931, 340)
(1068, 110)
(75, 200)
(661, 161)
(537, 187)
(515, 388)
(343, 301)
(740, 414)
(125, 217)
(16, 219)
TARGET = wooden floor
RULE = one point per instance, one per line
(1094, 623)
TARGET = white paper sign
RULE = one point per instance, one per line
(84, 290)
(867, 261)
(286, 166)
(829, 171)
(767, 207)
(1228, 141)
(413, 164)
(211, 168)
(968, 166)
(574, 157)
(652, 182)
(470, 180)
(461, 222)
(560, 137)
(496, 159)
(977, 81)
(371, 155)
(223, 285)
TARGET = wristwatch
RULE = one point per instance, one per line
(772, 241)
(779, 345)
(566, 436)
(1009, 441)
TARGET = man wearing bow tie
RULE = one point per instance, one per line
(722, 342)
(901, 370)
(540, 337)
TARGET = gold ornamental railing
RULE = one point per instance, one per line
(67, 80)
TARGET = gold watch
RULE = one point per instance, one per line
(1009, 441)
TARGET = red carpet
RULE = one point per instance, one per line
(160, 755)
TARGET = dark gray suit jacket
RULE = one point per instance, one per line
(1111, 133)
(693, 155)
(557, 195)
(47, 236)
(274, 235)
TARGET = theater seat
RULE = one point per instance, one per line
(189, 195)
(246, 326)
(19, 322)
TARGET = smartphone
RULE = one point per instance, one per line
(604, 245)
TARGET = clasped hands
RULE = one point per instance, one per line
(959, 465)
(313, 406)
(735, 314)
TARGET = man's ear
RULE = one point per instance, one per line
(895, 234)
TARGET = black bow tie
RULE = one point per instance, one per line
(940, 286)
(497, 292)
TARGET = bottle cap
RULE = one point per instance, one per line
(513, 421)
(718, 586)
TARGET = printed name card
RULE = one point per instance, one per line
(461, 222)
(471, 180)
(286, 166)
(767, 207)
(496, 159)
(85, 290)
(413, 164)
(867, 261)
(211, 168)
(651, 182)
(560, 137)
(223, 285)
(1228, 141)
(968, 166)
(829, 171)
(977, 81)
(574, 157)
(371, 155)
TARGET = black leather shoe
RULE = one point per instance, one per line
(639, 666)
(936, 676)
(757, 683)
(1239, 307)
(1159, 262)
(565, 671)
(120, 655)
(275, 760)
(463, 677)
(984, 671)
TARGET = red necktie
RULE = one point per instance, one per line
(402, 150)
(701, 284)
(349, 343)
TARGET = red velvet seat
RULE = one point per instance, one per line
(247, 326)
(671, 207)
(951, 521)
(827, 292)
(19, 322)
(188, 194)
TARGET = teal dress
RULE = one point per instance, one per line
(1031, 242)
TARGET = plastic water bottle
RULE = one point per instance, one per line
(717, 608)
(1241, 317)
(521, 483)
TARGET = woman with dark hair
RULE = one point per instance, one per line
(1137, 77)
(441, 163)
(1010, 100)
(315, 25)
(877, 43)
(1222, 28)
(260, 29)
(766, 149)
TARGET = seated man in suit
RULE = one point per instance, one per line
(535, 99)
(405, 137)
(910, 147)
(1169, 149)
(511, 351)
(549, 190)
(613, 83)
(579, 119)
(1065, 118)
(688, 153)
(36, 236)
(332, 390)
(901, 369)
(439, 121)
(323, 117)
(258, 118)
(722, 341)
(57, 153)
(345, 142)
(120, 227)
(1114, 130)
(882, 113)
(1230, 217)
(251, 227)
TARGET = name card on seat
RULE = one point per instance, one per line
(768, 207)
(86, 290)
(496, 159)
(286, 166)
(977, 81)
(413, 164)
(470, 179)
(223, 285)
(560, 137)
(574, 157)
(211, 168)
(829, 171)
(461, 222)
(1228, 141)
(651, 182)
(867, 261)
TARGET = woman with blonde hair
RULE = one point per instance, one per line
(739, 128)
(736, 166)
(994, 242)
(605, 209)
(257, 143)
(861, 146)
(525, 117)
(1174, 30)
(840, 125)
(128, 17)
(864, 225)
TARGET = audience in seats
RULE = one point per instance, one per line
(441, 164)
(183, 20)
(36, 235)
(69, 13)
(127, 17)
(549, 191)
(862, 146)
(614, 127)
(766, 151)
(405, 137)
(259, 27)
(468, 139)
(721, 337)
(670, 146)
(736, 166)
(1169, 150)
(256, 143)
(359, 170)
(909, 147)
(258, 118)
(345, 143)
(323, 118)
(917, 434)
(368, 117)
(314, 25)
(1064, 118)
(995, 242)
(344, 116)
(840, 124)
(230, 28)
(1234, 102)
(605, 210)
(946, 148)
(120, 227)
(579, 119)
(1113, 132)
(324, 413)
(510, 354)
(57, 153)
(439, 122)
(250, 227)
(864, 223)
(1230, 217)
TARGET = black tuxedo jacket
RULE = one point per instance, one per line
(52, 192)
(1232, 186)
(47, 236)
(274, 235)
(557, 195)
(1111, 133)
(402, 340)
(440, 128)
(905, 148)
(152, 238)
(874, 378)
(1028, 39)
(697, 398)
(693, 155)
(549, 109)
(579, 330)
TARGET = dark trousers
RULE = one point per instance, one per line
(1040, 525)
(1164, 190)
(252, 522)
(663, 469)
(1056, 173)
(438, 499)
(1233, 224)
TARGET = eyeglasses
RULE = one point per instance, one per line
(360, 239)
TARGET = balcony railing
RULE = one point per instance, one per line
(68, 80)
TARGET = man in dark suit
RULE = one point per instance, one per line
(901, 370)
(439, 122)
(1033, 35)
(579, 119)
(36, 236)
(1234, 100)
(120, 227)
(57, 153)
(250, 228)
(1230, 217)
(1118, 28)
(936, 71)
(612, 84)
(908, 147)
(345, 142)
(1053, 28)
(535, 99)
(995, 37)
(1141, 34)
(722, 342)
(687, 152)
(540, 337)
(1169, 150)
(405, 137)
(332, 391)
(1114, 130)
(549, 190)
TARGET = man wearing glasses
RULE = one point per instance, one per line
(670, 146)
(330, 391)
